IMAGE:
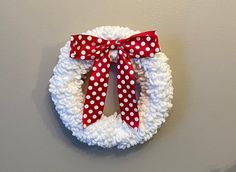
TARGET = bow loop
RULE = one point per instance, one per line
(87, 47)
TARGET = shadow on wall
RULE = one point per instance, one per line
(231, 169)
(174, 47)
(50, 117)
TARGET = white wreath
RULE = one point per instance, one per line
(153, 75)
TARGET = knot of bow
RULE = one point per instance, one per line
(88, 47)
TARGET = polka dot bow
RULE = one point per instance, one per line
(87, 47)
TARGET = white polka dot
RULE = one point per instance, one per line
(134, 101)
(132, 82)
(137, 56)
(119, 86)
(128, 86)
(94, 116)
(96, 107)
(147, 49)
(88, 97)
(84, 125)
(121, 104)
(138, 38)
(91, 78)
(86, 106)
(157, 50)
(90, 87)
(153, 44)
(143, 43)
(80, 37)
(93, 51)
(131, 104)
(97, 98)
(131, 72)
(107, 75)
(129, 95)
(122, 113)
(141, 53)
(131, 113)
(103, 94)
(126, 77)
(82, 57)
(136, 119)
(125, 100)
(103, 70)
(135, 109)
(127, 118)
(122, 72)
(131, 123)
(104, 60)
(102, 103)
(132, 91)
(102, 54)
(94, 93)
(120, 52)
(123, 81)
(137, 47)
(87, 47)
(102, 80)
(151, 54)
(126, 67)
(118, 66)
(148, 38)
(93, 44)
(121, 62)
(92, 102)
(99, 40)
(105, 85)
(99, 112)
(124, 91)
(96, 84)
(131, 51)
(89, 38)
(108, 65)
(112, 47)
(98, 74)
(94, 68)
(89, 121)
(132, 43)
(90, 111)
(83, 42)
(100, 89)
(118, 76)
(120, 95)
(126, 109)
(99, 64)
(85, 116)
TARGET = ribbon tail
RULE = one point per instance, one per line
(96, 91)
(126, 91)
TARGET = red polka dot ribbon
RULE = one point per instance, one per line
(87, 47)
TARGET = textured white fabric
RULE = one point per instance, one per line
(153, 75)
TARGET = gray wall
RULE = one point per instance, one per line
(198, 36)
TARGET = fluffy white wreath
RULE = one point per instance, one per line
(153, 75)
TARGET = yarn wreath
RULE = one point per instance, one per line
(153, 76)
